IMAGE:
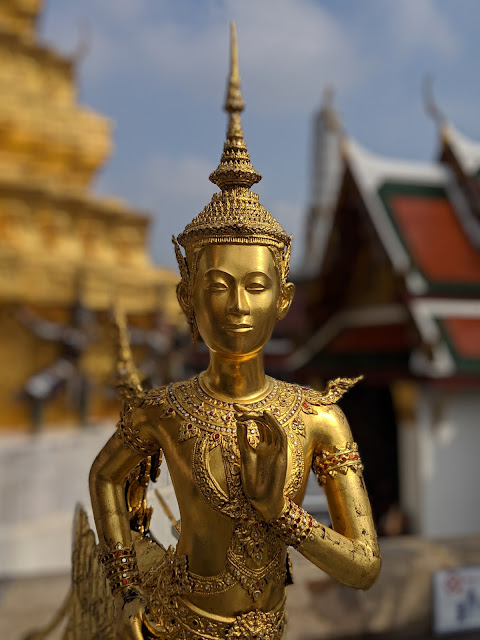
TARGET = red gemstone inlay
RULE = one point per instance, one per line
(304, 405)
(334, 461)
(170, 410)
(351, 456)
(343, 459)
(124, 582)
(190, 426)
(119, 553)
(356, 456)
(217, 436)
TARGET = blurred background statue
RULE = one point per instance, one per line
(239, 446)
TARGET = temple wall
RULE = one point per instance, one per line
(439, 471)
(42, 478)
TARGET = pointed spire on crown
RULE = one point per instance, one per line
(235, 169)
(234, 215)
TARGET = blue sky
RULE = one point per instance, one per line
(158, 68)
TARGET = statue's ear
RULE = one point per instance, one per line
(285, 300)
(184, 298)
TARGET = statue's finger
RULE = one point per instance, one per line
(267, 432)
(242, 440)
(278, 430)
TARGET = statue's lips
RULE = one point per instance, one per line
(237, 328)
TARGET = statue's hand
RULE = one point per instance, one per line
(131, 606)
(263, 468)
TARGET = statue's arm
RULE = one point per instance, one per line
(349, 550)
(134, 440)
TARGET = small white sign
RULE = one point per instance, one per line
(456, 600)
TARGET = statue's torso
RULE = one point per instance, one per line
(235, 562)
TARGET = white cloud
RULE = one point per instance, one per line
(420, 24)
(123, 10)
(174, 190)
(288, 50)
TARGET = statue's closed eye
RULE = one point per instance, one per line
(217, 286)
(256, 287)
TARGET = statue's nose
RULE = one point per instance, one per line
(237, 302)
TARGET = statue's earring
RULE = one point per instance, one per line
(184, 292)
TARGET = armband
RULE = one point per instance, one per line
(121, 568)
(130, 436)
(294, 525)
(327, 464)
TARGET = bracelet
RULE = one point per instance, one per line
(121, 568)
(294, 525)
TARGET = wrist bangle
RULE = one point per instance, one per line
(121, 568)
(294, 525)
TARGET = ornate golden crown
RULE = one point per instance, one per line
(234, 215)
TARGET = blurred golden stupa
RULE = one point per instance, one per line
(66, 255)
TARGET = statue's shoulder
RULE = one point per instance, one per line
(312, 398)
(166, 396)
(155, 397)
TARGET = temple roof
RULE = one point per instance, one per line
(424, 218)
(411, 207)
(466, 150)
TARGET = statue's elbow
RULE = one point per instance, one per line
(372, 570)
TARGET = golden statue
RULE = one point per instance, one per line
(239, 447)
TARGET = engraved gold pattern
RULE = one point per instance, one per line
(327, 464)
(179, 620)
(294, 525)
(255, 553)
(129, 434)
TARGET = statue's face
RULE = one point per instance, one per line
(236, 297)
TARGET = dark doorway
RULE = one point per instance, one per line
(371, 415)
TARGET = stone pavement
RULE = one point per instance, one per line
(318, 608)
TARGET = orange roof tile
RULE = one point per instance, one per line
(464, 334)
(435, 238)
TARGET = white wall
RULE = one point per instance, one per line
(42, 478)
(440, 465)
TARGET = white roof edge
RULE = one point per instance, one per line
(364, 167)
(424, 312)
(466, 150)
(374, 169)
(442, 308)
